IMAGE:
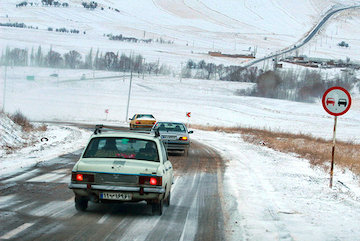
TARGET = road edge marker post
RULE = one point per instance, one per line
(188, 115)
(106, 112)
(336, 111)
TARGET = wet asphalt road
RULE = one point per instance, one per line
(36, 204)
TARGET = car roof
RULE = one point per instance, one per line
(126, 134)
(170, 122)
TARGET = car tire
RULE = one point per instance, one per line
(157, 208)
(81, 203)
(167, 200)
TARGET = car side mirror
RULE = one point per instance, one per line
(130, 119)
(190, 132)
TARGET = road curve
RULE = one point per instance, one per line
(307, 38)
(36, 204)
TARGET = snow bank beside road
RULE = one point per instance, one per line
(270, 195)
(11, 134)
(61, 140)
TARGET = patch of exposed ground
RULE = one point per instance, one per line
(316, 150)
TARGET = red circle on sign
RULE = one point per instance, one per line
(327, 92)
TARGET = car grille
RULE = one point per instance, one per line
(102, 178)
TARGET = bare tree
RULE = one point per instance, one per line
(72, 59)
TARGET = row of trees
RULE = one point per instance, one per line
(54, 3)
(17, 25)
(305, 85)
(74, 60)
(64, 30)
(90, 5)
(120, 37)
(203, 70)
(44, 2)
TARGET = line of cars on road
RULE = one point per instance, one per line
(129, 166)
(174, 135)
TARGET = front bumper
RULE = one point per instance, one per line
(176, 146)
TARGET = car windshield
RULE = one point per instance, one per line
(170, 127)
(126, 148)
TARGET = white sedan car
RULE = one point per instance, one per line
(174, 135)
(123, 167)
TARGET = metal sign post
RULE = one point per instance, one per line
(333, 154)
(336, 101)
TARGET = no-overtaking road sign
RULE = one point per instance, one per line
(336, 101)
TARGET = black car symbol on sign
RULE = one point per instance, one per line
(342, 102)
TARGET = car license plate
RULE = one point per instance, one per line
(169, 137)
(116, 196)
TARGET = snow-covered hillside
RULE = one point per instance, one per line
(11, 134)
(196, 27)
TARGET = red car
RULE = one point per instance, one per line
(330, 101)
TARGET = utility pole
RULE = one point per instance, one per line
(181, 71)
(128, 102)
(4, 90)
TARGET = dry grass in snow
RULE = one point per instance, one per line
(316, 150)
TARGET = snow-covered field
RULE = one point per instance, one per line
(339, 28)
(211, 103)
(196, 27)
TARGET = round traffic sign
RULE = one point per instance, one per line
(336, 101)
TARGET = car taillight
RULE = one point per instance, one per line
(82, 177)
(153, 181)
(137, 122)
(183, 138)
(79, 177)
(146, 180)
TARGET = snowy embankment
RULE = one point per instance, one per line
(11, 134)
(270, 195)
(28, 149)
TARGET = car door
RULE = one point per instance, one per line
(169, 173)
